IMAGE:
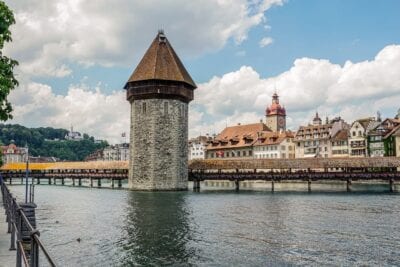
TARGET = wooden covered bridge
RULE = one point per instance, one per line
(274, 170)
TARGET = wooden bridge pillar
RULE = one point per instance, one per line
(119, 183)
(38, 180)
(91, 182)
(49, 180)
(22, 180)
(196, 185)
(348, 185)
(79, 182)
(10, 180)
(272, 185)
(73, 181)
(55, 180)
(237, 185)
(391, 185)
(309, 185)
(62, 181)
(99, 182)
(112, 182)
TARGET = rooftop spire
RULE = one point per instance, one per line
(160, 62)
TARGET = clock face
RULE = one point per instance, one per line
(281, 122)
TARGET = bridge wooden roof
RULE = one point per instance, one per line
(80, 165)
(312, 163)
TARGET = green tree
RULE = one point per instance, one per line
(7, 79)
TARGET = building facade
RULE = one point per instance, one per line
(358, 143)
(13, 154)
(159, 91)
(73, 136)
(274, 145)
(118, 152)
(197, 147)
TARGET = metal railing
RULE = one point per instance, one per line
(25, 239)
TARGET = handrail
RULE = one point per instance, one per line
(17, 220)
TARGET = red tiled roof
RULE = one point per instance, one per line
(238, 136)
(272, 138)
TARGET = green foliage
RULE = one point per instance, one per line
(7, 79)
(49, 142)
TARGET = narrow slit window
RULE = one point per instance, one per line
(144, 108)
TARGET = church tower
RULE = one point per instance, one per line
(276, 115)
(159, 91)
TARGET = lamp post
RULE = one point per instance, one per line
(26, 174)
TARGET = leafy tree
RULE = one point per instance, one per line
(7, 79)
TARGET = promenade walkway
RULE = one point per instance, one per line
(7, 257)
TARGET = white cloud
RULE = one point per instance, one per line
(265, 41)
(352, 91)
(87, 109)
(51, 34)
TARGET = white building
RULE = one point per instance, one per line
(73, 136)
(197, 147)
(274, 145)
(359, 130)
(13, 154)
(119, 152)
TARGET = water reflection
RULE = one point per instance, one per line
(156, 230)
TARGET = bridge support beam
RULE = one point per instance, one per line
(272, 185)
(112, 182)
(99, 182)
(55, 180)
(91, 182)
(348, 185)
(62, 181)
(237, 185)
(38, 180)
(196, 185)
(79, 182)
(22, 180)
(10, 180)
(391, 185)
(73, 181)
(119, 183)
(309, 185)
(49, 180)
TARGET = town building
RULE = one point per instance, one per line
(73, 136)
(274, 145)
(118, 152)
(197, 147)
(97, 155)
(13, 154)
(382, 139)
(358, 146)
(319, 140)
(159, 91)
(235, 141)
(276, 115)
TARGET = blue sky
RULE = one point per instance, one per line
(79, 49)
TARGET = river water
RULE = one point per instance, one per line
(217, 228)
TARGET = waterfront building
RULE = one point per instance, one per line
(159, 91)
(340, 144)
(276, 115)
(197, 147)
(274, 145)
(235, 141)
(73, 136)
(382, 139)
(13, 154)
(359, 130)
(320, 140)
(118, 152)
(97, 155)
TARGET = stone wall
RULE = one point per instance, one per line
(158, 145)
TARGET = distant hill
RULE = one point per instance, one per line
(49, 142)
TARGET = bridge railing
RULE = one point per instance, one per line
(25, 239)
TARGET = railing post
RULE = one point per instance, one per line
(34, 258)
(19, 238)
(12, 224)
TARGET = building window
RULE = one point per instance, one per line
(250, 152)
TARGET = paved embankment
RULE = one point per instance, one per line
(7, 257)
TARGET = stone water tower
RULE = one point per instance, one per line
(159, 91)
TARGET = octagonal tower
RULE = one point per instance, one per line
(159, 91)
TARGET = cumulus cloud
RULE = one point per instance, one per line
(89, 110)
(50, 35)
(352, 91)
(265, 41)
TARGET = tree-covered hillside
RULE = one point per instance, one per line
(49, 142)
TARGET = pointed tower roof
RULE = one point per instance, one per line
(160, 62)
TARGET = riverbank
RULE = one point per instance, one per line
(7, 257)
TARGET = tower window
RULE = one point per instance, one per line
(165, 108)
(144, 108)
